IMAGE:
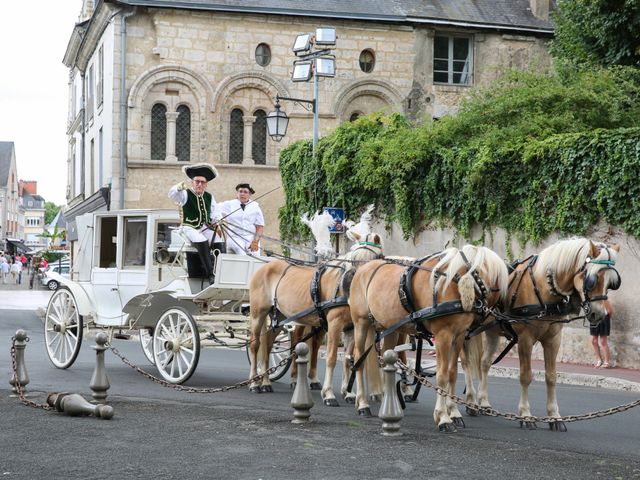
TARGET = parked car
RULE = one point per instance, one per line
(49, 276)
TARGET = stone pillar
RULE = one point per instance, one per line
(171, 136)
(247, 158)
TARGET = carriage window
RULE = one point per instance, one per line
(163, 239)
(108, 233)
(135, 242)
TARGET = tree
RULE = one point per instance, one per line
(597, 32)
(50, 212)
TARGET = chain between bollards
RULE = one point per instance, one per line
(20, 377)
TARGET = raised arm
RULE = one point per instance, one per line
(178, 194)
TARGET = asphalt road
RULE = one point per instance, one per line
(160, 433)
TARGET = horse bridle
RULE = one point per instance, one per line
(591, 280)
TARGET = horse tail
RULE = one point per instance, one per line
(346, 282)
(472, 351)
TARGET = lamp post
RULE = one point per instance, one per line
(314, 60)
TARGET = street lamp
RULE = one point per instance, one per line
(311, 62)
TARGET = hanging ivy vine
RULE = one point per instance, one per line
(532, 155)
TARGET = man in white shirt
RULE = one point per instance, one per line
(245, 222)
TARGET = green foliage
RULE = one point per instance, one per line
(597, 32)
(50, 212)
(533, 155)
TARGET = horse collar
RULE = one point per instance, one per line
(553, 286)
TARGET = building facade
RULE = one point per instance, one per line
(154, 85)
(9, 197)
(33, 209)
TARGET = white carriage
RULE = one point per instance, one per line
(134, 270)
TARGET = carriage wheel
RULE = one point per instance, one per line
(176, 345)
(281, 349)
(146, 342)
(62, 329)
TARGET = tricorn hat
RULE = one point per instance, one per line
(200, 170)
(245, 185)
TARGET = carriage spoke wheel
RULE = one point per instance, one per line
(176, 345)
(62, 329)
(146, 342)
(281, 349)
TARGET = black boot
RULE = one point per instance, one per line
(205, 257)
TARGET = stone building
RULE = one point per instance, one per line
(9, 200)
(33, 207)
(156, 84)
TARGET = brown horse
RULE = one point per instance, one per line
(286, 286)
(568, 276)
(448, 287)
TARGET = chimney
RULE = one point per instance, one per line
(540, 8)
(31, 187)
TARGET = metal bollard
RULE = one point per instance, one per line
(390, 411)
(75, 405)
(20, 374)
(100, 381)
(302, 400)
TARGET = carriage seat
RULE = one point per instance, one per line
(180, 242)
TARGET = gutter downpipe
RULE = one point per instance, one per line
(123, 104)
(82, 136)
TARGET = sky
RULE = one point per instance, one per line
(34, 89)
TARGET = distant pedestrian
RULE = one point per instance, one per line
(14, 271)
(599, 339)
(4, 270)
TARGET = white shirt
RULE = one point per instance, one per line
(180, 197)
(242, 223)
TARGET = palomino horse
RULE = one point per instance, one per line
(446, 291)
(286, 287)
(565, 277)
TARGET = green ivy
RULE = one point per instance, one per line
(534, 154)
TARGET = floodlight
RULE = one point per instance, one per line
(326, 66)
(302, 43)
(325, 36)
(302, 71)
(277, 123)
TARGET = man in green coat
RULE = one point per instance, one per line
(198, 207)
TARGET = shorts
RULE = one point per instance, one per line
(602, 329)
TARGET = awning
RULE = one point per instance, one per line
(18, 244)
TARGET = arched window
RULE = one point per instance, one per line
(183, 134)
(259, 138)
(236, 136)
(158, 132)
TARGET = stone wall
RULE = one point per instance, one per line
(576, 344)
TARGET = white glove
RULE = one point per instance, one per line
(180, 186)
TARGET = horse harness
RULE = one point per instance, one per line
(319, 307)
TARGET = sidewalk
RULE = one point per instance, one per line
(21, 297)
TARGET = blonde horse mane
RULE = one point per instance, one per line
(564, 256)
(489, 265)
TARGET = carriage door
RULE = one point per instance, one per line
(104, 273)
(132, 275)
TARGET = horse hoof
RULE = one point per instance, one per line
(350, 400)
(447, 428)
(331, 402)
(293, 385)
(409, 399)
(266, 389)
(365, 412)
(529, 425)
(315, 386)
(255, 390)
(472, 412)
(557, 426)
(459, 422)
